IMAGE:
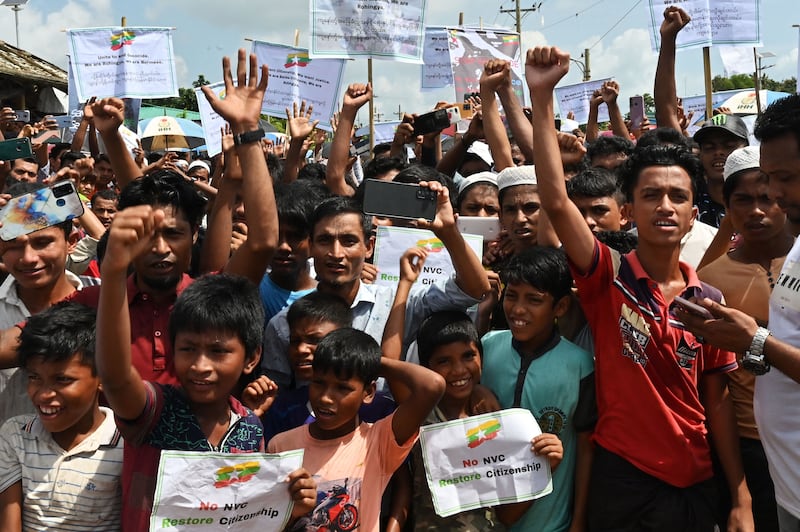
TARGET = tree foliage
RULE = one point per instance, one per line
(186, 99)
(745, 81)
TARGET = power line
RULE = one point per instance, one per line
(616, 23)
(570, 17)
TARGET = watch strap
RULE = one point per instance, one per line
(248, 137)
(759, 339)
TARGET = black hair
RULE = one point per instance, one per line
(20, 188)
(30, 160)
(153, 157)
(607, 145)
(349, 353)
(102, 158)
(106, 194)
(663, 136)
(595, 182)
(275, 167)
(733, 180)
(337, 205)
(58, 333)
(69, 158)
(313, 172)
(220, 302)
(629, 171)
(623, 242)
(295, 203)
(102, 244)
(379, 149)
(320, 307)
(59, 147)
(781, 117)
(442, 328)
(165, 188)
(380, 165)
(544, 268)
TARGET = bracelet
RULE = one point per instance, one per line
(248, 137)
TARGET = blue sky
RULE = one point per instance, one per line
(209, 29)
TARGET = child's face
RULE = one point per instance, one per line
(601, 214)
(293, 251)
(459, 363)
(65, 395)
(303, 339)
(531, 314)
(336, 402)
(209, 364)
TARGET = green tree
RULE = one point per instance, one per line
(186, 98)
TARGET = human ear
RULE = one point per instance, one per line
(251, 361)
(561, 306)
(369, 392)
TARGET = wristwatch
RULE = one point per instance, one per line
(248, 137)
(754, 360)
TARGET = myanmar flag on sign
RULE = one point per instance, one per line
(486, 431)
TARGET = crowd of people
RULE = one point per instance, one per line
(641, 301)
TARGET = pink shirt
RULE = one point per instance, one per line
(351, 472)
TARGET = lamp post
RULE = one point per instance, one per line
(16, 7)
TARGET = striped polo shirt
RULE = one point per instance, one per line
(63, 490)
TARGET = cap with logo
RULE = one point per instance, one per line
(729, 123)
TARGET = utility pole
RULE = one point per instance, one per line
(519, 11)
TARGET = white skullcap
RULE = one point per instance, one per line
(200, 164)
(745, 158)
(516, 175)
(480, 177)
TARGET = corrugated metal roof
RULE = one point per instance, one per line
(18, 63)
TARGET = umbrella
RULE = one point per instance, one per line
(167, 132)
(744, 102)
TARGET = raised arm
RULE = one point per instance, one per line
(300, 127)
(241, 108)
(451, 160)
(392, 344)
(544, 67)
(592, 127)
(425, 388)
(470, 275)
(496, 72)
(131, 234)
(517, 121)
(609, 92)
(665, 93)
(108, 115)
(356, 95)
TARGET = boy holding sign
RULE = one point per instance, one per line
(531, 366)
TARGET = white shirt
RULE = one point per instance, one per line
(777, 396)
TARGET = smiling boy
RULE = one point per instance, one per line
(60, 468)
(652, 459)
(350, 459)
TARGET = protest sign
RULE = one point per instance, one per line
(737, 59)
(471, 48)
(384, 131)
(697, 105)
(381, 29)
(294, 76)
(713, 22)
(436, 69)
(392, 242)
(227, 491)
(210, 120)
(575, 98)
(483, 461)
(126, 62)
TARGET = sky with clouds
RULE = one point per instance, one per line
(209, 29)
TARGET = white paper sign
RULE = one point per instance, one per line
(382, 29)
(384, 132)
(713, 22)
(293, 77)
(737, 59)
(483, 461)
(211, 121)
(436, 69)
(127, 62)
(576, 98)
(697, 105)
(392, 242)
(222, 491)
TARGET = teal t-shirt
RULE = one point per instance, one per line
(552, 391)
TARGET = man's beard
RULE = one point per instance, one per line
(162, 283)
